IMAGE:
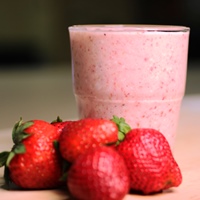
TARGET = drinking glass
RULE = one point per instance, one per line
(137, 72)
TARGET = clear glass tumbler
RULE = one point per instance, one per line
(137, 72)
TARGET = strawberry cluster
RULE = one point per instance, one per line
(96, 158)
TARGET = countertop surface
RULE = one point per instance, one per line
(186, 152)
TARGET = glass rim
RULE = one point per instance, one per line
(128, 28)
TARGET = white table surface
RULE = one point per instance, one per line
(186, 152)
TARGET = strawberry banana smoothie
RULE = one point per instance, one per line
(133, 71)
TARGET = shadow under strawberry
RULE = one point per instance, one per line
(151, 194)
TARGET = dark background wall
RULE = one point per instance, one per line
(35, 31)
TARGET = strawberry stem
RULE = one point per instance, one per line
(18, 133)
(123, 127)
(58, 119)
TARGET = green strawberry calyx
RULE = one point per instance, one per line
(58, 119)
(3, 158)
(18, 135)
(123, 127)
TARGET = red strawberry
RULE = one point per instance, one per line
(60, 124)
(34, 163)
(100, 173)
(150, 161)
(78, 136)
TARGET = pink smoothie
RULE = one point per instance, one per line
(135, 72)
